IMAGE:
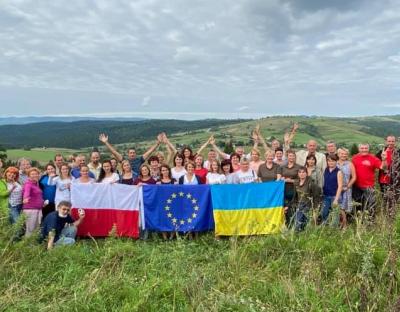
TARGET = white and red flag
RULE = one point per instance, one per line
(107, 207)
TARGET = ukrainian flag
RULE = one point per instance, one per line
(248, 209)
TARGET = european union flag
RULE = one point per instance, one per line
(182, 208)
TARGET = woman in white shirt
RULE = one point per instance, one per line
(178, 171)
(190, 178)
(63, 184)
(214, 176)
(107, 174)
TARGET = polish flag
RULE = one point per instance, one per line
(107, 207)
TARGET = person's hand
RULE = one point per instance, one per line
(81, 213)
(257, 129)
(212, 140)
(25, 200)
(335, 202)
(103, 138)
(160, 138)
(295, 126)
(52, 175)
(68, 186)
(286, 137)
(384, 155)
(286, 209)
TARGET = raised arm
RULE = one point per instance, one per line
(261, 139)
(289, 136)
(203, 146)
(104, 139)
(152, 148)
(168, 143)
(217, 149)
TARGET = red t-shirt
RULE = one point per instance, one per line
(202, 173)
(365, 166)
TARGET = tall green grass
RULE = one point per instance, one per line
(321, 269)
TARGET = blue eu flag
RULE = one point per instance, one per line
(182, 208)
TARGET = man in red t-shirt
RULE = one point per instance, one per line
(364, 189)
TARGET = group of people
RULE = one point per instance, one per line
(313, 180)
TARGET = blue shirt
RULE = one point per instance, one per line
(136, 163)
(76, 173)
(53, 222)
(49, 191)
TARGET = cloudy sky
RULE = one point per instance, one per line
(197, 59)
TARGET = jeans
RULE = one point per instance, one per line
(15, 211)
(301, 218)
(67, 236)
(326, 207)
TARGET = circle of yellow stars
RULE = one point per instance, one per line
(191, 218)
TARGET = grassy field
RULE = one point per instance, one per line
(321, 269)
(41, 155)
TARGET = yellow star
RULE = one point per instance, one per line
(169, 215)
(194, 215)
(173, 195)
(194, 201)
(169, 201)
(181, 194)
(166, 208)
(182, 222)
(174, 220)
(189, 195)
(196, 208)
(189, 220)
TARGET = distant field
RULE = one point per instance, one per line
(40, 155)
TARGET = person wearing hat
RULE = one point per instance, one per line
(11, 194)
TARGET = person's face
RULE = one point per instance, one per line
(255, 156)
(107, 167)
(186, 153)
(145, 172)
(312, 146)
(25, 165)
(331, 163)
(235, 160)
(302, 174)
(244, 166)
(291, 157)
(363, 149)
(154, 164)
(198, 161)
(82, 161)
(131, 154)
(240, 151)
(34, 176)
(190, 168)
(126, 167)
(343, 155)
(226, 168)
(311, 162)
(178, 161)
(212, 155)
(50, 170)
(279, 155)
(214, 167)
(64, 170)
(113, 163)
(391, 142)
(59, 161)
(95, 157)
(275, 144)
(10, 176)
(270, 158)
(331, 148)
(84, 172)
(63, 211)
(164, 172)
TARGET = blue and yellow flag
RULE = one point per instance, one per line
(248, 209)
(182, 208)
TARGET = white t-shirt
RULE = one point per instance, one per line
(241, 177)
(216, 178)
(177, 174)
(111, 179)
(192, 182)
